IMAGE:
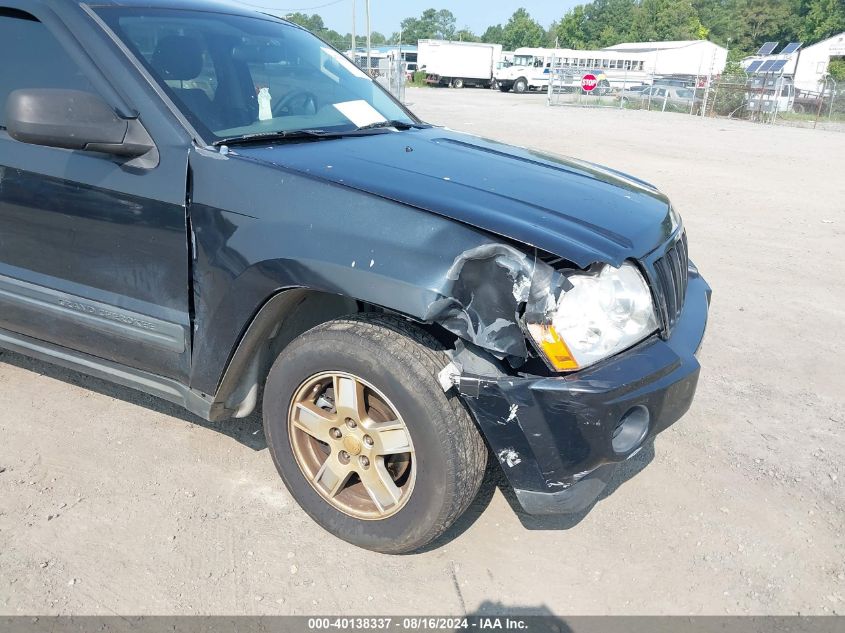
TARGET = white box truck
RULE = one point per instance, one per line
(458, 64)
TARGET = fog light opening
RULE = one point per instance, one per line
(631, 430)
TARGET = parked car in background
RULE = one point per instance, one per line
(208, 204)
(678, 83)
(661, 97)
(636, 88)
(410, 69)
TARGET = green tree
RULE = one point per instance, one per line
(836, 69)
(444, 22)
(494, 35)
(758, 21)
(821, 19)
(313, 23)
(718, 17)
(466, 35)
(608, 22)
(657, 20)
(522, 30)
(432, 24)
(571, 30)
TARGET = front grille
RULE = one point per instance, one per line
(671, 274)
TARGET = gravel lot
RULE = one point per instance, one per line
(114, 502)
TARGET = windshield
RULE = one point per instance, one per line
(234, 76)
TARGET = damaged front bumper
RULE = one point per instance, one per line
(554, 436)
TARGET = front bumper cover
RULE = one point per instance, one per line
(553, 435)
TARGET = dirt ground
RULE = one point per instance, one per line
(115, 502)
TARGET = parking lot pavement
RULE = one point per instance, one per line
(114, 502)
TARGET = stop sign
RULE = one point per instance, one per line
(589, 82)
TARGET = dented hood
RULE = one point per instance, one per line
(570, 208)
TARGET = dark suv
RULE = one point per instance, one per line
(208, 204)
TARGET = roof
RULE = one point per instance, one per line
(395, 47)
(216, 6)
(644, 47)
(836, 41)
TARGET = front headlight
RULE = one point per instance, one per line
(606, 311)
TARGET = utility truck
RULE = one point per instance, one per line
(458, 64)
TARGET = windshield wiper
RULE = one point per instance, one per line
(399, 125)
(281, 135)
(274, 136)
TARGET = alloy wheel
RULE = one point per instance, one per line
(352, 445)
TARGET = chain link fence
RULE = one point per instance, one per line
(391, 73)
(769, 98)
(633, 89)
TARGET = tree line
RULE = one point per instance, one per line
(740, 25)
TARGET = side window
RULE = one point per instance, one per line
(32, 58)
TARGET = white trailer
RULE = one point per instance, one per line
(458, 64)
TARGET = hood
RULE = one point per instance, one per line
(569, 208)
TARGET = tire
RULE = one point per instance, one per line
(520, 86)
(400, 363)
(457, 83)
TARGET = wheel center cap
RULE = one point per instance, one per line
(352, 444)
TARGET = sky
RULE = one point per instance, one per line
(385, 15)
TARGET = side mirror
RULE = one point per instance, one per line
(77, 120)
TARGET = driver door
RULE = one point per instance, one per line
(94, 257)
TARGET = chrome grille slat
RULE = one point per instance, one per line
(671, 276)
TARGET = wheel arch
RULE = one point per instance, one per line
(282, 318)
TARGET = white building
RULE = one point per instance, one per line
(806, 66)
(812, 62)
(681, 57)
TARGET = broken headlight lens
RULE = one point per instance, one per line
(606, 311)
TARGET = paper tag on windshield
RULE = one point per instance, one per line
(359, 112)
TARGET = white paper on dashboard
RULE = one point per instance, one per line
(359, 112)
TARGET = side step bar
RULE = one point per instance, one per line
(146, 382)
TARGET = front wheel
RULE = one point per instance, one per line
(364, 437)
(520, 86)
(458, 83)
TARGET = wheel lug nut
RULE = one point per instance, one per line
(343, 456)
(368, 440)
(351, 423)
(335, 433)
(364, 461)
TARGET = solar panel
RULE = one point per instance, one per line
(767, 66)
(753, 66)
(791, 48)
(767, 48)
(778, 66)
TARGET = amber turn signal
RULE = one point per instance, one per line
(553, 347)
